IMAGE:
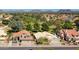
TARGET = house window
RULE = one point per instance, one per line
(28, 36)
(76, 35)
(21, 35)
(24, 36)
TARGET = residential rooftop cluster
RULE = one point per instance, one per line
(39, 29)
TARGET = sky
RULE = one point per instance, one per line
(55, 10)
(38, 9)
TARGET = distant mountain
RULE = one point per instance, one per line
(68, 11)
(64, 11)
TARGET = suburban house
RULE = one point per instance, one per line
(53, 39)
(42, 34)
(68, 34)
(48, 16)
(22, 36)
(5, 16)
(47, 35)
(3, 36)
(75, 17)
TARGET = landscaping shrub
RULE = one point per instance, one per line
(42, 41)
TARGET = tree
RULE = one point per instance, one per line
(16, 25)
(5, 22)
(45, 27)
(36, 27)
(9, 33)
(77, 24)
(58, 23)
(29, 27)
(67, 25)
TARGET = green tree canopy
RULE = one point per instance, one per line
(45, 27)
(67, 25)
(5, 22)
(29, 27)
(16, 25)
(36, 27)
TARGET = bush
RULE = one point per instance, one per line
(68, 25)
(63, 43)
(45, 27)
(42, 41)
(5, 22)
(29, 27)
(36, 27)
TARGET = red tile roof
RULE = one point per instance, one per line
(21, 32)
(71, 32)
